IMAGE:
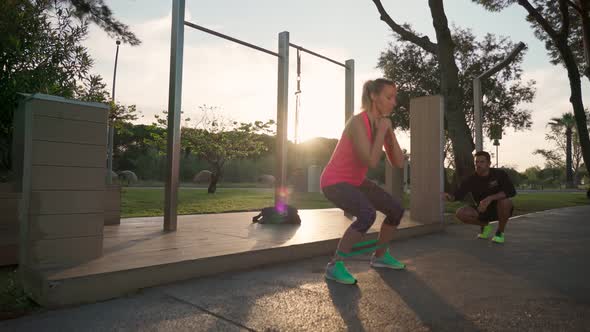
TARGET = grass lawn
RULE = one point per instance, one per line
(142, 202)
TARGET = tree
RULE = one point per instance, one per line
(444, 50)
(514, 175)
(555, 23)
(218, 140)
(39, 53)
(92, 88)
(568, 122)
(555, 157)
(133, 149)
(416, 73)
(532, 175)
(583, 9)
(97, 12)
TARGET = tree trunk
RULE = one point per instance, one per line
(459, 132)
(213, 183)
(585, 6)
(569, 176)
(576, 100)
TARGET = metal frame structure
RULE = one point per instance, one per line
(478, 96)
(349, 79)
(174, 107)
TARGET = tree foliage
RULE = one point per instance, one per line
(99, 13)
(40, 52)
(218, 140)
(556, 157)
(443, 49)
(416, 72)
(549, 9)
(555, 23)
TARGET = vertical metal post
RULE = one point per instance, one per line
(174, 103)
(348, 99)
(282, 116)
(111, 128)
(349, 90)
(477, 94)
(477, 114)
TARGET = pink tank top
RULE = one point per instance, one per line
(344, 165)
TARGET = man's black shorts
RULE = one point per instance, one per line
(491, 213)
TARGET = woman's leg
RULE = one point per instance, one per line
(389, 206)
(350, 199)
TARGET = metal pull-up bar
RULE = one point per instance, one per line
(175, 98)
(174, 106)
(317, 54)
(235, 40)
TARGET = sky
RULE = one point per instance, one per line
(242, 82)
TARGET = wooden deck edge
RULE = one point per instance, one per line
(104, 286)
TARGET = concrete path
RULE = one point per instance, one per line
(537, 281)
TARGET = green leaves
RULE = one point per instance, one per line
(217, 139)
(417, 73)
(99, 13)
(550, 13)
(39, 54)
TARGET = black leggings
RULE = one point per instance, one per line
(363, 202)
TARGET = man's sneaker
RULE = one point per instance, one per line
(498, 238)
(486, 232)
(387, 261)
(339, 273)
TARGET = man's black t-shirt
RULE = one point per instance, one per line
(483, 186)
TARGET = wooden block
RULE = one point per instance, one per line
(394, 181)
(46, 227)
(68, 154)
(8, 254)
(66, 178)
(427, 139)
(112, 217)
(63, 252)
(69, 131)
(112, 206)
(66, 202)
(9, 210)
(112, 201)
(69, 109)
(9, 188)
(9, 236)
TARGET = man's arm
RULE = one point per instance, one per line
(506, 190)
(495, 197)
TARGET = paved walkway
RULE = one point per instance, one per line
(537, 281)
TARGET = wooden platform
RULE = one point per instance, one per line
(138, 253)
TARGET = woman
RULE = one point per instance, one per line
(343, 180)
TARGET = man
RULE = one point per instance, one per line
(491, 190)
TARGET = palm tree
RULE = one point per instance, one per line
(567, 121)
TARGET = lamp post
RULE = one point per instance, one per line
(477, 93)
(111, 130)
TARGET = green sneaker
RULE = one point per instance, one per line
(387, 261)
(498, 238)
(339, 273)
(487, 231)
